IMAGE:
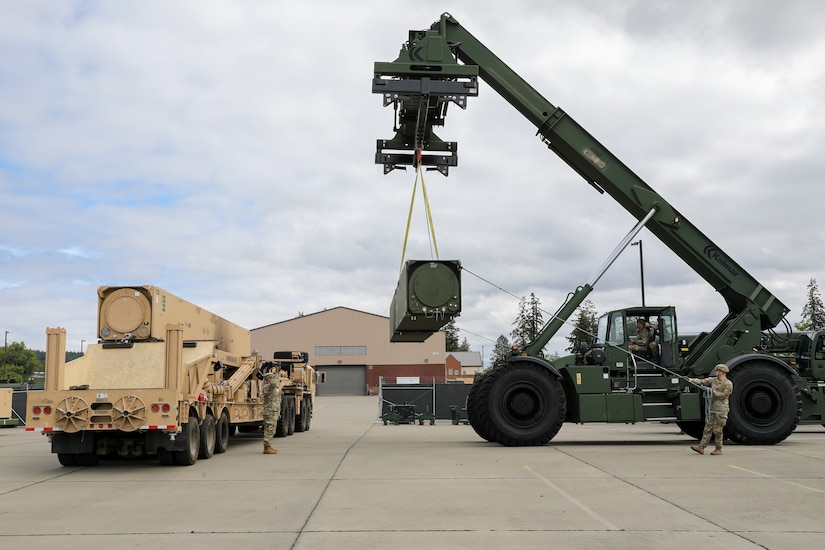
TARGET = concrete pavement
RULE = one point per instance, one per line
(351, 482)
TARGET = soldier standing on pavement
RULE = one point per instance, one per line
(721, 388)
(272, 409)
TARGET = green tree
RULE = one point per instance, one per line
(18, 362)
(584, 328)
(528, 323)
(813, 312)
(451, 335)
(451, 338)
(40, 355)
(501, 351)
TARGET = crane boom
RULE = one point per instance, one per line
(449, 54)
(524, 399)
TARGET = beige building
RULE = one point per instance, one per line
(463, 365)
(353, 349)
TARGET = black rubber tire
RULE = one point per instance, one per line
(191, 436)
(282, 427)
(765, 406)
(291, 417)
(67, 459)
(222, 434)
(692, 428)
(308, 415)
(520, 404)
(474, 413)
(302, 420)
(208, 437)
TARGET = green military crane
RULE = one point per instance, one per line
(778, 377)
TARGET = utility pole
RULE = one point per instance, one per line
(5, 353)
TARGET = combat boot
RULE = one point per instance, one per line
(717, 451)
(270, 450)
(698, 448)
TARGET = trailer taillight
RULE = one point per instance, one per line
(158, 407)
(166, 407)
(47, 410)
(155, 408)
(37, 410)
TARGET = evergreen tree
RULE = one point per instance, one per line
(584, 329)
(451, 336)
(501, 351)
(813, 312)
(528, 323)
(464, 345)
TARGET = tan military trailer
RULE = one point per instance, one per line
(5, 408)
(166, 378)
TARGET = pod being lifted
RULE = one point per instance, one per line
(428, 296)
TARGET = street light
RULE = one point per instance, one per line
(641, 268)
(5, 354)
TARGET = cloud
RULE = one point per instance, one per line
(224, 151)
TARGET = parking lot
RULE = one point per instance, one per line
(352, 482)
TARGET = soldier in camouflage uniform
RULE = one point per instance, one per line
(642, 340)
(721, 389)
(272, 409)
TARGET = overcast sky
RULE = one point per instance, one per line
(224, 151)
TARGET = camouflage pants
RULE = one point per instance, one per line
(271, 414)
(715, 426)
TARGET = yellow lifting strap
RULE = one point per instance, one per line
(419, 173)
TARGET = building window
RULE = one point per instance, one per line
(340, 350)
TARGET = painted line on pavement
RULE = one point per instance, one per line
(573, 500)
(777, 479)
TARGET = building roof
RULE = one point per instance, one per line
(323, 311)
(467, 358)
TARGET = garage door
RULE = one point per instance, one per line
(343, 380)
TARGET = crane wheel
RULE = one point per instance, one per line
(519, 404)
(765, 405)
(692, 428)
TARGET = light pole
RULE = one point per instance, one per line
(5, 353)
(641, 268)
(81, 346)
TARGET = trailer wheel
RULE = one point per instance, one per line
(765, 406)
(308, 413)
(67, 459)
(222, 434)
(207, 437)
(291, 417)
(524, 404)
(302, 420)
(191, 436)
(282, 426)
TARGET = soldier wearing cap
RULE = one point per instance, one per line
(721, 388)
(272, 408)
